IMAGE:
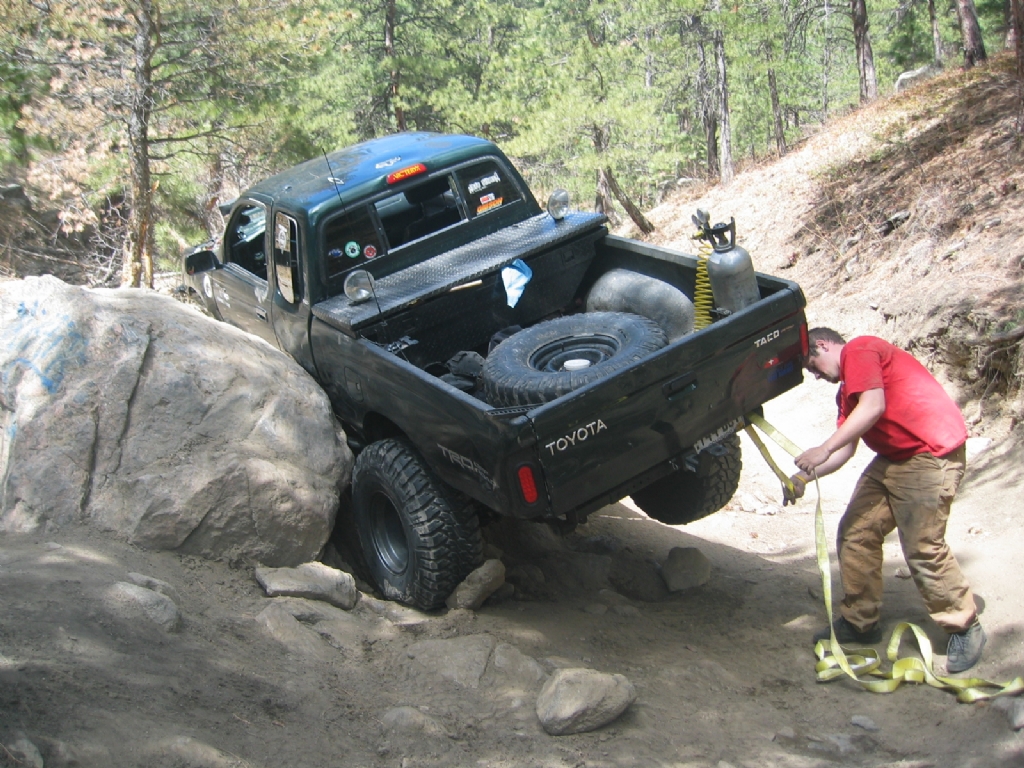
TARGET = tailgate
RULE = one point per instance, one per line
(601, 436)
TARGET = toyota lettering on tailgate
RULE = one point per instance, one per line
(577, 436)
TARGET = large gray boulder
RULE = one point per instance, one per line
(135, 413)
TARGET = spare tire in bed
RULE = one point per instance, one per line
(555, 357)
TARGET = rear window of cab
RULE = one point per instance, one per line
(422, 209)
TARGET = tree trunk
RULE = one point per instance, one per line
(1018, 25)
(780, 128)
(727, 170)
(396, 75)
(603, 201)
(707, 104)
(634, 213)
(826, 63)
(865, 57)
(970, 33)
(936, 35)
(137, 258)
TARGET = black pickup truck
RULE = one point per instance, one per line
(488, 358)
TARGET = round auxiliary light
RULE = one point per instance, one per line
(558, 204)
(359, 286)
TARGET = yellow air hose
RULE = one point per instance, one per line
(703, 300)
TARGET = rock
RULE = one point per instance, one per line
(596, 609)
(291, 633)
(186, 751)
(580, 700)
(137, 414)
(411, 720)
(626, 611)
(637, 579)
(1014, 709)
(915, 76)
(478, 586)
(314, 581)
(513, 668)
(132, 601)
(865, 722)
(611, 597)
(339, 628)
(502, 594)
(462, 660)
(399, 615)
(686, 568)
(24, 752)
(154, 584)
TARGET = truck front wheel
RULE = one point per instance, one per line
(419, 537)
(685, 496)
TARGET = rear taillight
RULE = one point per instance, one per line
(805, 346)
(527, 484)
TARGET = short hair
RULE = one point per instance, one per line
(822, 334)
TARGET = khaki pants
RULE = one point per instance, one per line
(913, 496)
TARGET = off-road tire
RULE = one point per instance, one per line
(685, 496)
(419, 537)
(526, 368)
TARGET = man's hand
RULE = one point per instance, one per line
(799, 488)
(815, 457)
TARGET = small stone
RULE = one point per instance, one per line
(902, 573)
(410, 719)
(313, 580)
(785, 733)
(25, 752)
(627, 611)
(580, 700)
(596, 609)
(686, 568)
(129, 600)
(478, 586)
(865, 722)
(1014, 709)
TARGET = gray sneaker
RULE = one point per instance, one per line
(964, 648)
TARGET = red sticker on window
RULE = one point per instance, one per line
(369, 251)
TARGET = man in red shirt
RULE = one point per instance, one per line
(890, 401)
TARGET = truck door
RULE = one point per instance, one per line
(291, 312)
(240, 287)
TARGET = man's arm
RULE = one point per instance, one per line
(837, 450)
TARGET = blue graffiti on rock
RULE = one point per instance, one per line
(41, 343)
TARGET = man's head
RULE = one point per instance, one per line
(825, 346)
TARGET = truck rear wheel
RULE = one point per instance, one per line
(685, 496)
(419, 537)
(553, 358)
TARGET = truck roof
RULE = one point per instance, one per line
(362, 169)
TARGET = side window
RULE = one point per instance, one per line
(287, 271)
(247, 239)
(350, 240)
(488, 187)
(418, 211)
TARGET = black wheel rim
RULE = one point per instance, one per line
(594, 348)
(389, 540)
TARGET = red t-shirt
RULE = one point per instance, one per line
(919, 416)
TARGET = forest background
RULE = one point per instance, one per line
(132, 122)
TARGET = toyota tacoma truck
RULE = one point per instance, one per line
(490, 358)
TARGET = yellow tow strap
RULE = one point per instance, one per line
(833, 661)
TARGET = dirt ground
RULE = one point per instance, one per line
(724, 673)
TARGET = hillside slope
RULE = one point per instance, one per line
(903, 219)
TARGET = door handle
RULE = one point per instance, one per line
(261, 314)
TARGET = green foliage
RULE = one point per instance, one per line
(568, 87)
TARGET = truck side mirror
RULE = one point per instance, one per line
(201, 261)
